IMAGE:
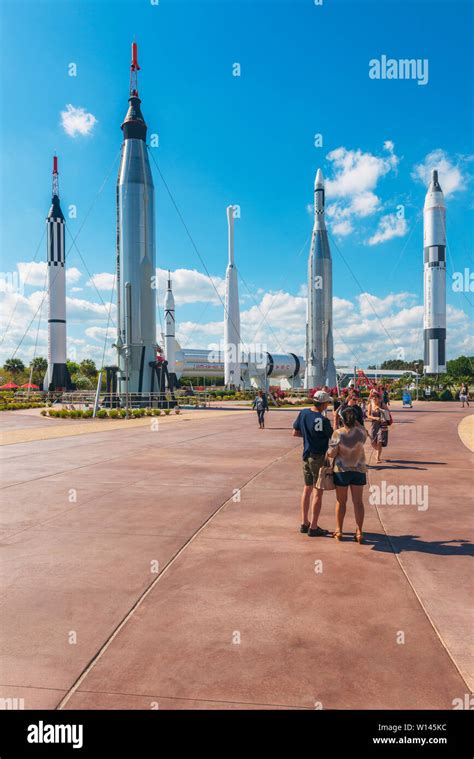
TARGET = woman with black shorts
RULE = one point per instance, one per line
(346, 447)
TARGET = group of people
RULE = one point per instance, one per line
(340, 447)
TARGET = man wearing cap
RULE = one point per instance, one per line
(311, 424)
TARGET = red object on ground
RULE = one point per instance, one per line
(9, 386)
(28, 386)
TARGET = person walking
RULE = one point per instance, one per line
(464, 395)
(336, 405)
(316, 431)
(346, 447)
(261, 405)
(379, 430)
(352, 401)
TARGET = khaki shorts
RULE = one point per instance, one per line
(311, 467)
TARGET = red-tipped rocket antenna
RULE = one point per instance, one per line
(55, 176)
(134, 68)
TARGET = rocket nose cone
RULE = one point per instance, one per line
(319, 181)
(434, 185)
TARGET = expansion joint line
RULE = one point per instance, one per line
(152, 585)
(415, 592)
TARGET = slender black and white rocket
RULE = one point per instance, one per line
(57, 375)
(320, 367)
(434, 257)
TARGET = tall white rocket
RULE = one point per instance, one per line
(232, 347)
(170, 329)
(57, 375)
(320, 367)
(136, 267)
(434, 257)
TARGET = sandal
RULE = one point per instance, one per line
(337, 535)
(359, 537)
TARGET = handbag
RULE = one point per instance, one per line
(325, 479)
(388, 416)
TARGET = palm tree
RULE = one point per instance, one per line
(39, 365)
(14, 365)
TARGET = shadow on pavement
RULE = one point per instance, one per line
(381, 467)
(400, 543)
(404, 461)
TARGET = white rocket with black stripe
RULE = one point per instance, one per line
(434, 257)
(320, 367)
(57, 375)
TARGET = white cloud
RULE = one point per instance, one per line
(382, 306)
(103, 281)
(33, 273)
(365, 204)
(360, 336)
(352, 186)
(191, 286)
(389, 226)
(72, 274)
(100, 333)
(342, 228)
(84, 310)
(277, 324)
(356, 172)
(452, 175)
(77, 121)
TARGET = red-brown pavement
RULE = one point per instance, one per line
(165, 569)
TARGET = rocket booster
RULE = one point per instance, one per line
(232, 348)
(434, 257)
(136, 292)
(320, 367)
(170, 344)
(57, 375)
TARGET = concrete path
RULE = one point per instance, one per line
(165, 568)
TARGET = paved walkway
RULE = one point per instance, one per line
(145, 568)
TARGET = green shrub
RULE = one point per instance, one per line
(446, 395)
(43, 412)
(102, 413)
(136, 412)
(63, 413)
(114, 413)
(167, 411)
(148, 412)
(122, 412)
(156, 411)
(87, 413)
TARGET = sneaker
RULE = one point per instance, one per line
(317, 532)
(304, 528)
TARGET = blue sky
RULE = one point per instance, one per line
(245, 140)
